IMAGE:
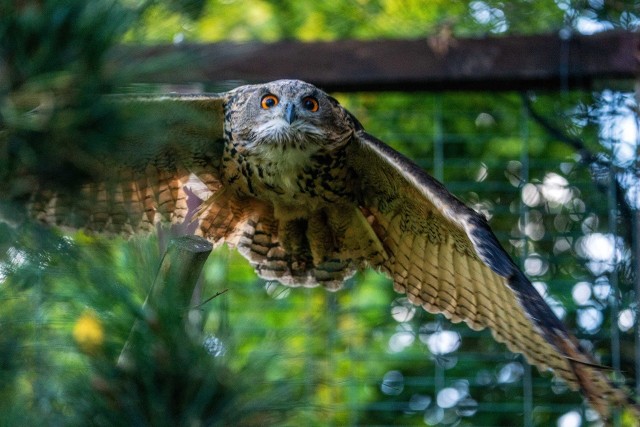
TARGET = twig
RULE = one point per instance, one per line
(217, 294)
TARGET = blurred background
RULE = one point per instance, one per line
(555, 170)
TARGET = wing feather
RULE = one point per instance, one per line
(467, 302)
(167, 140)
(446, 258)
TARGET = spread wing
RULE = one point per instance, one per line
(166, 169)
(168, 144)
(444, 256)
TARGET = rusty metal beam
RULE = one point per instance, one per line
(483, 64)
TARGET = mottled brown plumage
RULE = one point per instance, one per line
(290, 179)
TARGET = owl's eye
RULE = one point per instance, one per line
(310, 103)
(269, 101)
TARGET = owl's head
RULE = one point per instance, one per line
(287, 114)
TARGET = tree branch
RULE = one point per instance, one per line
(588, 158)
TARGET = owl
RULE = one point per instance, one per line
(288, 177)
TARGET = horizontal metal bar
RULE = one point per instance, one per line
(490, 63)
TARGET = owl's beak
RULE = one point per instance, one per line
(290, 113)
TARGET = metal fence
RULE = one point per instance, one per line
(555, 214)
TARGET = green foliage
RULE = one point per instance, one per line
(270, 20)
(53, 57)
(268, 354)
(68, 309)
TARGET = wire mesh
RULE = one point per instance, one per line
(544, 207)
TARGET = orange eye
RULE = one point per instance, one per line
(269, 101)
(310, 103)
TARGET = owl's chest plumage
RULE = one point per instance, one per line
(299, 176)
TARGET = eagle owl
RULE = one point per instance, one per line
(284, 174)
